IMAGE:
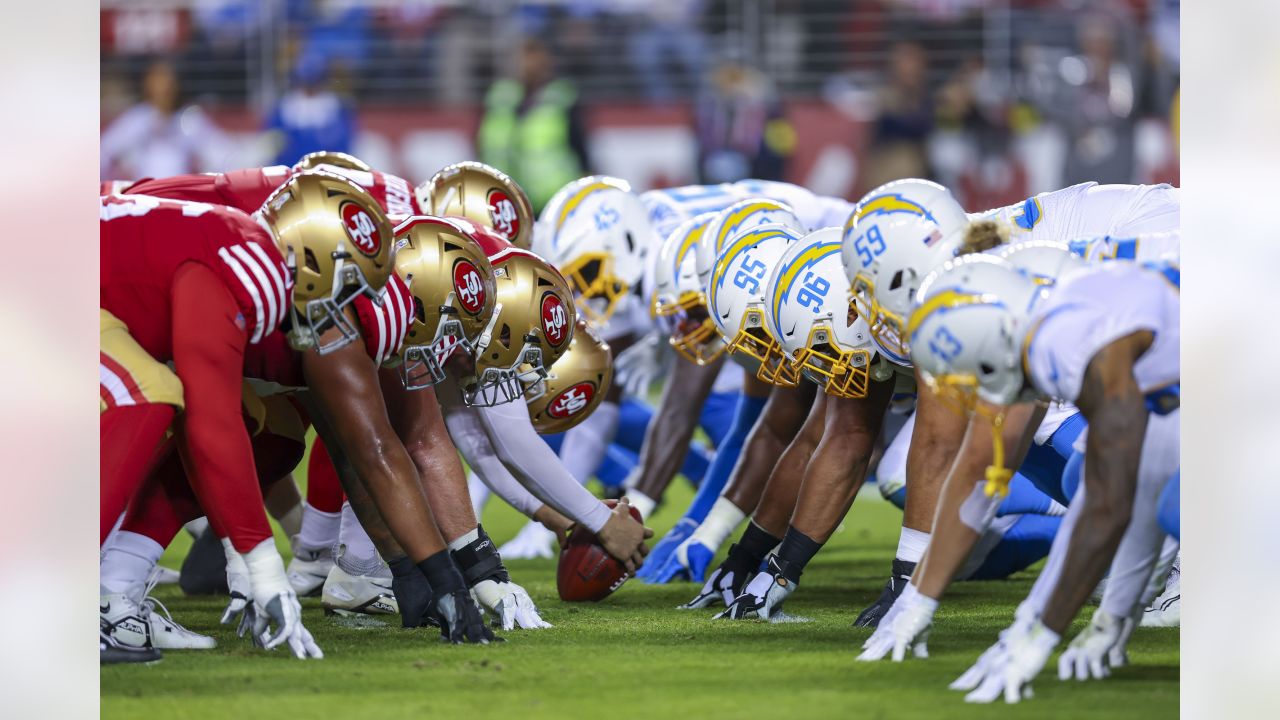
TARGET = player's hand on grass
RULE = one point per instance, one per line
(1009, 674)
(1089, 654)
(510, 603)
(278, 621)
(460, 619)
(238, 608)
(623, 537)
(664, 548)
(905, 626)
(412, 591)
(763, 596)
(725, 584)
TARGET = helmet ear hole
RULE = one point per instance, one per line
(419, 311)
(896, 282)
(986, 368)
(310, 261)
(504, 337)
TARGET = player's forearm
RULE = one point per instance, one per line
(1116, 431)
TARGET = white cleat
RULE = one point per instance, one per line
(134, 619)
(347, 594)
(309, 568)
(533, 541)
(1166, 610)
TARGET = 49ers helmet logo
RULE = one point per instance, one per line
(361, 228)
(503, 213)
(468, 287)
(572, 401)
(555, 320)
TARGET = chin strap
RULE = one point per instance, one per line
(998, 476)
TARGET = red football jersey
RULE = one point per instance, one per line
(383, 327)
(144, 240)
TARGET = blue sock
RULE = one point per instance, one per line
(1072, 474)
(718, 412)
(745, 415)
(1065, 436)
(1170, 510)
(634, 417)
(617, 464)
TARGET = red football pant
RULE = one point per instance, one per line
(324, 490)
(131, 437)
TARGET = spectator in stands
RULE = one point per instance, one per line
(311, 117)
(532, 126)
(905, 118)
(1097, 106)
(667, 30)
(741, 125)
(160, 136)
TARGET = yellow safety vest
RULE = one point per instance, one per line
(533, 148)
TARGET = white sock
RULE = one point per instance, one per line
(723, 519)
(479, 494)
(319, 528)
(465, 538)
(912, 544)
(586, 443)
(360, 551)
(128, 562)
(291, 521)
(642, 502)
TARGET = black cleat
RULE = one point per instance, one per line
(901, 575)
(111, 652)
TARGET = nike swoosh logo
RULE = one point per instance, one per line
(792, 331)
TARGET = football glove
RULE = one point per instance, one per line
(510, 603)
(1089, 654)
(688, 562)
(284, 612)
(899, 577)
(905, 626)
(763, 596)
(239, 609)
(656, 563)
(1025, 656)
(637, 366)
(725, 583)
(412, 591)
(460, 618)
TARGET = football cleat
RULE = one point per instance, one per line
(133, 619)
(898, 579)
(1166, 610)
(347, 594)
(533, 541)
(309, 568)
(111, 652)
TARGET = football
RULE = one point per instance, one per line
(586, 572)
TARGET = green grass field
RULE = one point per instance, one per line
(633, 655)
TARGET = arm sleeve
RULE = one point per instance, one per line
(536, 465)
(472, 441)
(208, 354)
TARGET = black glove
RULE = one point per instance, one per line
(460, 619)
(413, 593)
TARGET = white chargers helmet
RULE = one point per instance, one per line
(1044, 261)
(679, 296)
(967, 333)
(736, 300)
(808, 312)
(736, 218)
(895, 236)
(968, 326)
(597, 233)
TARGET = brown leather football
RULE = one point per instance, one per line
(586, 572)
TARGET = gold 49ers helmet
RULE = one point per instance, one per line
(332, 159)
(337, 243)
(532, 327)
(483, 194)
(575, 385)
(453, 294)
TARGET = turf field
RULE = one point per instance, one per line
(633, 655)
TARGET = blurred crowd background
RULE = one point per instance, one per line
(997, 99)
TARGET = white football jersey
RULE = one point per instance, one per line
(1092, 307)
(669, 207)
(1154, 247)
(1090, 210)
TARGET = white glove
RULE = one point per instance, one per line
(1011, 674)
(1088, 655)
(1118, 657)
(238, 607)
(906, 625)
(276, 604)
(510, 603)
(638, 366)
